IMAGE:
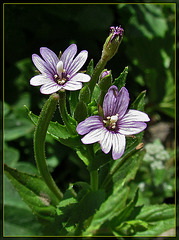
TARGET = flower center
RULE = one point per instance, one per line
(110, 122)
(61, 77)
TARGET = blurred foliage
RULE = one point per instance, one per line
(156, 175)
(148, 49)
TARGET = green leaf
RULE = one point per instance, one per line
(160, 218)
(58, 132)
(153, 21)
(34, 193)
(16, 127)
(139, 102)
(126, 166)
(125, 214)
(90, 68)
(108, 210)
(77, 212)
(124, 224)
(11, 155)
(80, 112)
(92, 108)
(73, 100)
(121, 80)
(167, 104)
(129, 228)
(96, 93)
(85, 94)
(55, 129)
(18, 218)
(83, 156)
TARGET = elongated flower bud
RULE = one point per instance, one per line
(112, 42)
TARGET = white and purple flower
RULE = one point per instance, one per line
(59, 74)
(117, 122)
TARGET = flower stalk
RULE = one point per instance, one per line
(64, 113)
(97, 71)
(110, 48)
(39, 143)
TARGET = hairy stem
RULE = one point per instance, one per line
(39, 143)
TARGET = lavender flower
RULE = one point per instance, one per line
(59, 74)
(117, 122)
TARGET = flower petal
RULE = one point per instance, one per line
(131, 128)
(81, 77)
(89, 124)
(40, 79)
(93, 136)
(119, 143)
(50, 57)
(135, 115)
(50, 88)
(72, 86)
(68, 55)
(122, 102)
(78, 62)
(106, 141)
(110, 101)
(41, 65)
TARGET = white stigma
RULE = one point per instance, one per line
(114, 118)
(60, 68)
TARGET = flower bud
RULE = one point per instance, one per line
(105, 80)
(105, 73)
(112, 43)
(80, 112)
(84, 95)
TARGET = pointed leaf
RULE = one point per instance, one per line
(34, 193)
(121, 80)
(58, 132)
(73, 211)
(139, 102)
(159, 217)
(90, 68)
(73, 100)
(112, 206)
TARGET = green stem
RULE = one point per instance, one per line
(64, 113)
(94, 180)
(97, 71)
(39, 143)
